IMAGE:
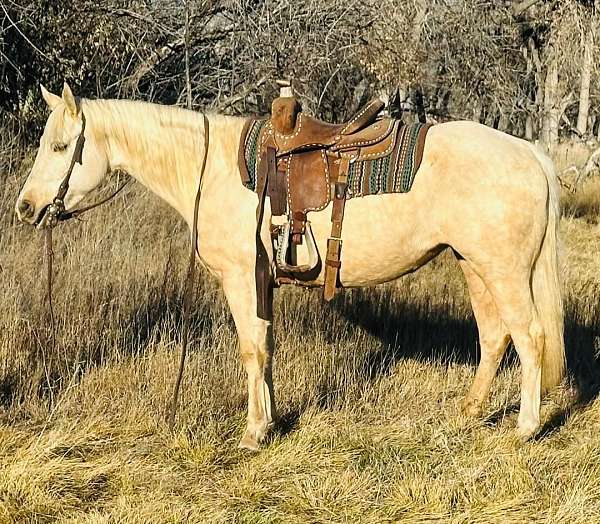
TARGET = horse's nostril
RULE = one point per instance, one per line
(25, 209)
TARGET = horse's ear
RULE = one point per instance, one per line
(69, 100)
(51, 99)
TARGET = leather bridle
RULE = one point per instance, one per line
(56, 212)
(57, 209)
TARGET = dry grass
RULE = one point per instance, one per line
(369, 391)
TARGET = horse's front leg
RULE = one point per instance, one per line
(256, 348)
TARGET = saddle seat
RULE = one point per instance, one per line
(295, 131)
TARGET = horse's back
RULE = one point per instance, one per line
(473, 145)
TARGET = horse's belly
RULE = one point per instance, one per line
(383, 238)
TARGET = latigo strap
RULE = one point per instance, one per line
(334, 243)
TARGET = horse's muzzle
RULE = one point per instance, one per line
(25, 210)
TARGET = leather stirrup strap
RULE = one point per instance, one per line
(334, 243)
(189, 281)
(264, 289)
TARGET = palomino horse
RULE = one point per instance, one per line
(490, 197)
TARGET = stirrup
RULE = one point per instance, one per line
(283, 243)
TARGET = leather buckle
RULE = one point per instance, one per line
(340, 190)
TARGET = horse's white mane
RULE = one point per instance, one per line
(168, 140)
(146, 129)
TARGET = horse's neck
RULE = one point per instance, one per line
(161, 146)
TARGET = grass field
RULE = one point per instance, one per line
(369, 391)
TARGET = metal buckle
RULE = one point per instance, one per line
(53, 213)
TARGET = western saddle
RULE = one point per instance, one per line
(303, 165)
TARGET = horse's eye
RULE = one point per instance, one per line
(58, 147)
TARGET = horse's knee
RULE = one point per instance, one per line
(253, 356)
(493, 344)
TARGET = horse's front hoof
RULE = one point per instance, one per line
(472, 408)
(255, 434)
(249, 443)
(527, 432)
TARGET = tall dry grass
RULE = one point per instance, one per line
(369, 390)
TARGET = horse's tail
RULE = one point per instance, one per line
(546, 284)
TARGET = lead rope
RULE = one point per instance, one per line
(56, 212)
(65, 215)
(49, 260)
(188, 287)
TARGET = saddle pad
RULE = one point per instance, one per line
(249, 151)
(394, 172)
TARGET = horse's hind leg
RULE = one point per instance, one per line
(256, 349)
(513, 297)
(493, 340)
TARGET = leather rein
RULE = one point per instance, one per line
(57, 212)
(189, 279)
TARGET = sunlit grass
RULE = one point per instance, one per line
(369, 392)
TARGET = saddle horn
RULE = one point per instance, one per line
(285, 109)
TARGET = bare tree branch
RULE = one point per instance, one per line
(25, 37)
(243, 94)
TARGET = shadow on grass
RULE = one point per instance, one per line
(409, 329)
(437, 329)
(582, 336)
(444, 334)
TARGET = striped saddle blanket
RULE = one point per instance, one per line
(392, 171)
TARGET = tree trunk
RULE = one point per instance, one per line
(586, 75)
(420, 16)
(529, 128)
(520, 7)
(551, 115)
(534, 122)
(416, 93)
(186, 38)
(419, 105)
(478, 110)
(503, 122)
